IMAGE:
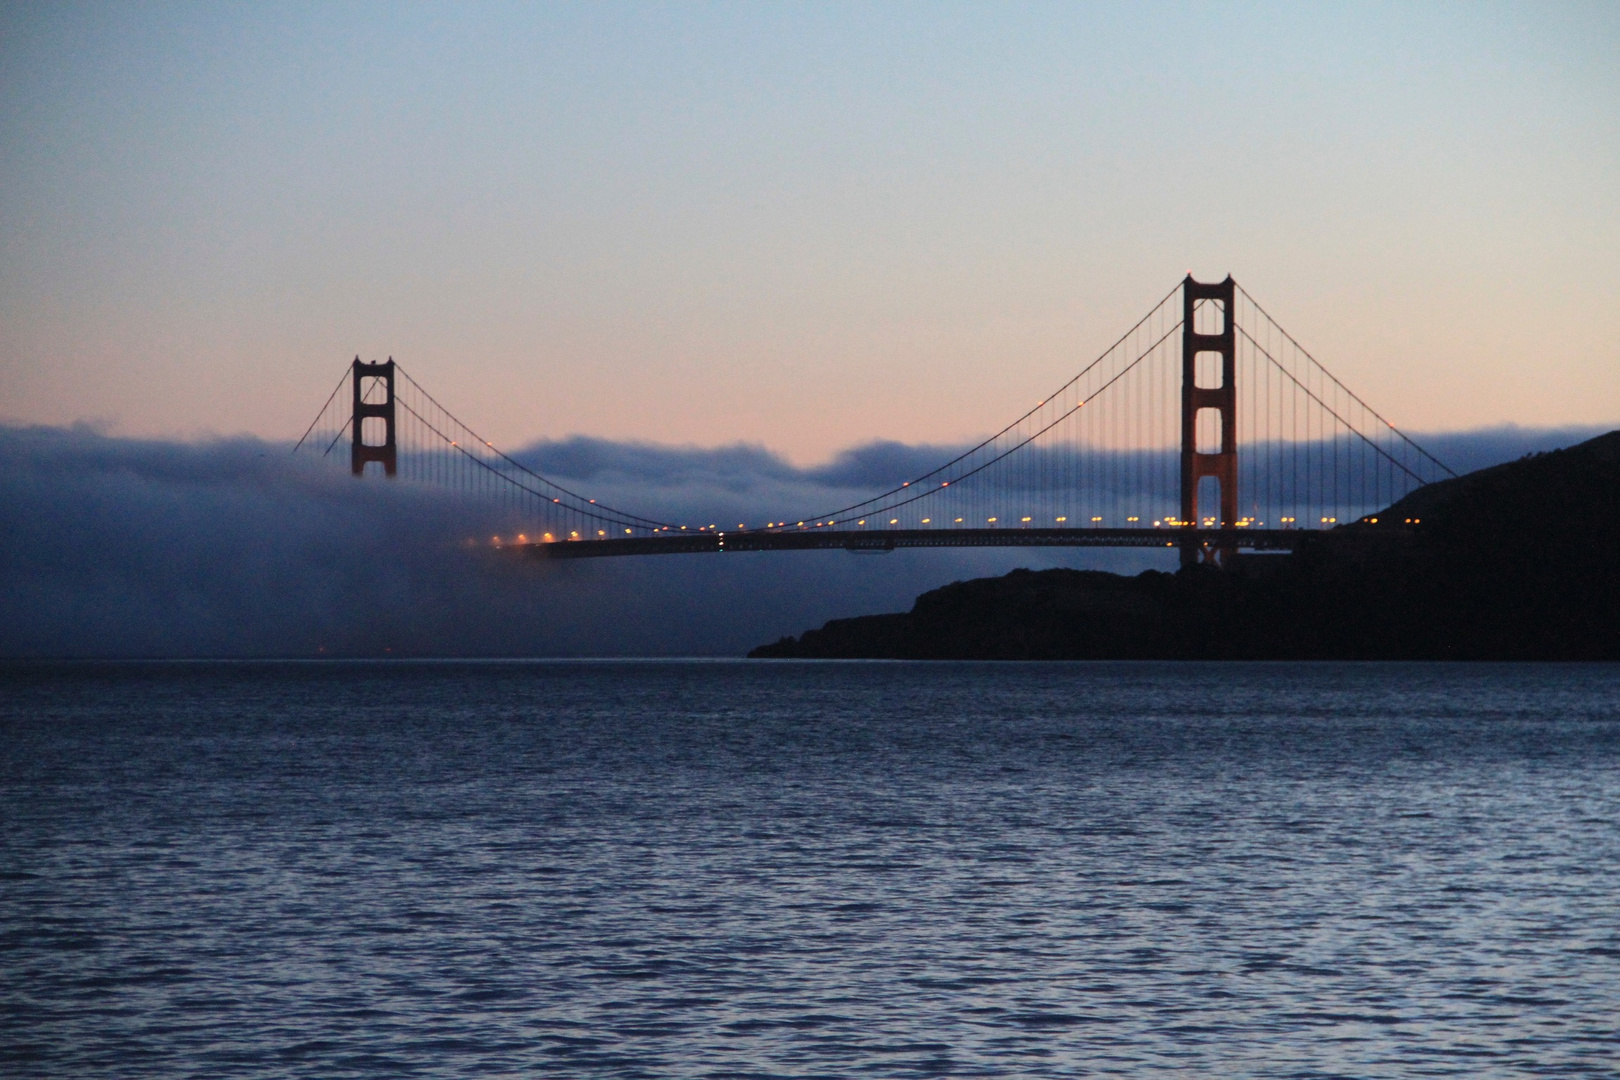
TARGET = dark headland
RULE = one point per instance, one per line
(1516, 562)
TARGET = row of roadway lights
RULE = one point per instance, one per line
(1169, 522)
(1172, 523)
(1241, 523)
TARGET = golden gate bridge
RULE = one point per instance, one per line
(1206, 426)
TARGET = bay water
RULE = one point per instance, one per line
(762, 869)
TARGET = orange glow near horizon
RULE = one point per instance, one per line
(779, 253)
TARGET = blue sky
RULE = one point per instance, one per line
(801, 226)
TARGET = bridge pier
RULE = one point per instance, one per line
(1210, 307)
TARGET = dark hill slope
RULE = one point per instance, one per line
(1519, 561)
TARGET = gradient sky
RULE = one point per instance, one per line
(799, 226)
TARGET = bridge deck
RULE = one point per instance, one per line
(875, 540)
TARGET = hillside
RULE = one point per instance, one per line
(1518, 561)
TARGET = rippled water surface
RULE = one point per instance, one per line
(729, 869)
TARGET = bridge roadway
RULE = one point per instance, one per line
(883, 540)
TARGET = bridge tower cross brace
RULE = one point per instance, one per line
(360, 451)
(1222, 463)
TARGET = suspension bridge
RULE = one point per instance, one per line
(1205, 427)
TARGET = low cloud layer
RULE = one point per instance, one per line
(120, 547)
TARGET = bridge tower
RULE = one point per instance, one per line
(361, 451)
(1207, 329)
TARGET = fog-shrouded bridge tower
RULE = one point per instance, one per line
(370, 380)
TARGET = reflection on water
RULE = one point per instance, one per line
(715, 869)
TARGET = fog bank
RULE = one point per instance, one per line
(121, 547)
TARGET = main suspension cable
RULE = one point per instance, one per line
(630, 518)
(1051, 397)
(1331, 412)
(1306, 352)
